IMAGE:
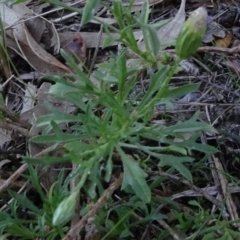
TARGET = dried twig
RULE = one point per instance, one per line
(14, 117)
(96, 50)
(23, 168)
(219, 49)
(231, 206)
(169, 229)
(100, 202)
(73, 184)
(232, 50)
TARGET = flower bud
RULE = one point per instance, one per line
(64, 210)
(191, 34)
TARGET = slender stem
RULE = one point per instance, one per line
(163, 88)
(85, 174)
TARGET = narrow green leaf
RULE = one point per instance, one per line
(46, 160)
(108, 41)
(176, 163)
(170, 148)
(135, 177)
(128, 36)
(122, 76)
(180, 91)
(18, 229)
(143, 17)
(68, 93)
(25, 202)
(191, 125)
(14, 2)
(157, 80)
(191, 145)
(105, 77)
(118, 13)
(78, 146)
(160, 24)
(57, 116)
(209, 236)
(57, 138)
(151, 40)
(89, 11)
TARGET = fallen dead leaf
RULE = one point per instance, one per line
(224, 42)
(189, 66)
(32, 52)
(75, 46)
(29, 98)
(171, 30)
(40, 109)
(236, 43)
(213, 30)
(36, 26)
(4, 162)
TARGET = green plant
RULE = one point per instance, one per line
(205, 224)
(26, 220)
(110, 125)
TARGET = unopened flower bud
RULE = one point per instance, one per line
(191, 35)
(64, 210)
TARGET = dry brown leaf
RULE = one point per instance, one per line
(33, 53)
(75, 46)
(29, 98)
(213, 29)
(189, 66)
(236, 43)
(49, 64)
(170, 31)
(224, 42)
(37, 25)
(40, 109)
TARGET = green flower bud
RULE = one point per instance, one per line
(64, 210)
(191, 35)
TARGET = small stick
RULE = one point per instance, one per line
(94, 209)
(23, 168)
(169, 229)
